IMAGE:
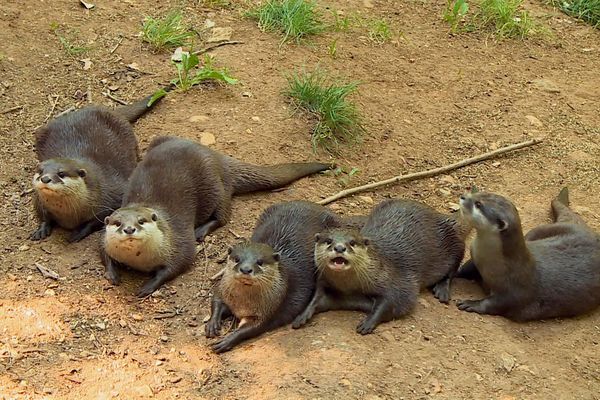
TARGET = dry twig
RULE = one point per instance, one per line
(430, 172)
(214, 46)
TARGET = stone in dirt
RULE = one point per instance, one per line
(207, 139)
(546, 85)
(199, 118)
(220, 34)
(534, 121)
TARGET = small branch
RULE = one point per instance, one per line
(47, 273)
(217, 275)
(113, 98)
(237, 236)
(68, 110)
(15, 108)
(117, 45)
(89, 94)
(214, 46)
(430, 172)
(26, 192)
(53, 108)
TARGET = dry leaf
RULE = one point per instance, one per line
(88, 6)
(87, 63)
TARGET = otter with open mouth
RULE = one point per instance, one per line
(403, 247)
(552, 271)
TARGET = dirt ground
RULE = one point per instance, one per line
(428, 99)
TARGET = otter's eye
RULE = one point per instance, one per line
(154, 217)
(259, 262)
(352, 243)
(117, 223)
(141, 221)
(478, 204)
(61, 174)
(328, 241)
(236, 259)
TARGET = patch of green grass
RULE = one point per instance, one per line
(338, 121)
(380, 31)
(332, 49)
(455, 13)
(587, 10)
(216, 3)
(189, 75)
(71, 44)
(507, 18)
(167, 32)
(344, 176)
(295, 19)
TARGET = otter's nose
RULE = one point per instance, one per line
(246, 269)
(46, 179)
(339, 248)
(129, 230)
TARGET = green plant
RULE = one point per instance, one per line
(167, 32)
(217, 3)
(379, 31)
(186, 77)
(455, 12)
(296, 19)
(587, 10)
(344, 176)
(332, 49)
(337, 118)
(506, 17)
(70, 47)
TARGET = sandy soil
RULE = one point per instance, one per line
(428, 99)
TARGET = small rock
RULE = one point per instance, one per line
(158, 363)
(209, 24)
(164, 338)
(507, 362)
(49, 293)
(87, 63)
(453, 206)
(546, 85)
(534, 121)
(175, 379)
(207, 139)
(137, 317)
(256, 119)
(496, 164)
(366, 199)
(24, 247)
(445, 192)
(387, 335)
(122, 323)
(423, 302)
(368, 3)
(447, 179)
(113, 88)
(206, 318)
(247, 94)
(345, 382)
(219, 34)
(101, 326)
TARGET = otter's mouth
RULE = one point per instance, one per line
(339, 264)
(245, 280)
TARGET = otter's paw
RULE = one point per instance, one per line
(78, 235)
(113, 277)
(146, 290)
(42, 232)
(441, 291)
(366, 327)
(471, 306)
(212, 328)
(300, 320)
(223, 345)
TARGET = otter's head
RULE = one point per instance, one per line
(60, 177)
(134, 236)
(253, 264)
(340, 249)
(489, 213)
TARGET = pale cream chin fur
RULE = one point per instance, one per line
(252, 304)
(69, 202)
(361, 274)
(143, 251)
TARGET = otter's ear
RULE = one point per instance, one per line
(81, 172)
(366, 241)
(276, 257)
(502, 224)
(106, 221)
(317, 238)
(154, 217)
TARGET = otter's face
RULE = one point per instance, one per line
(335, 249)
(133, 225)
(59, 177)
(489, 212)
(252, 263)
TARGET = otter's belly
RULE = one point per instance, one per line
(132, 253)
(243, 303)
(345, 281)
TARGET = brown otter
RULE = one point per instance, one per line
(85, 158)
(403, 247)
(553, 271)
(179, 193)
(270, 279)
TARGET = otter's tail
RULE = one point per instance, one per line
(251, 178)
(133, 111)
(561, 211)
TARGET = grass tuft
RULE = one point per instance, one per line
(507, 18)
(188, 75)
(587, 10)
(167, 32)
(295, 19)
(379, 31)
(338, 121)
(455, 13)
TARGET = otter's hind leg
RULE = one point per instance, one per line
(561, 211)
(492, 305)
(46, 224)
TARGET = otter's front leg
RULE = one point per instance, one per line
(111, 269)
(318, 301)
(236, 337)
(206, 229)
(163, 275)
(492, 305)
(218, 312)
(43, 231)
(383, 311)
(86, 229)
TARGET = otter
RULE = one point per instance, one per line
(553, 271)
(180, 192)
(404, 246)
(85, 159)
(270, 279)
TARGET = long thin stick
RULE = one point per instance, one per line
(430, 172)
(113, 98)
(53, 107)
(214, 46)
(15, 108)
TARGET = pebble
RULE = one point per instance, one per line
(123, 323)
(387, 335)
(164, 338)
(546, 85)
(199, 118)
(345, 382)
(49, 292)
(255, 118)
(368, 3)
(24, 247)
(534, 121)
(175, 379)
(453, 206)
(366, 199)
(207, 139)
(247, 94)
(137, 317)
(507, 362)
(445, 192)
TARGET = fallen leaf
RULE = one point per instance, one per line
(220, 35)
(88, 6)
(87, 63)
